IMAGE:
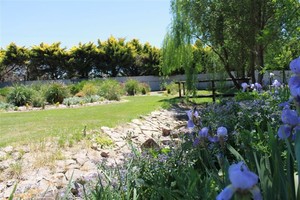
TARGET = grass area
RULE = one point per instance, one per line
(24, 127)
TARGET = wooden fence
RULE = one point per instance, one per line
(181, 88)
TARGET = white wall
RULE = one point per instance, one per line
(155, 82)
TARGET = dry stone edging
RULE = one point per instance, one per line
(81, 164)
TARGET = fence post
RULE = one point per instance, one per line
(179, 88)
(213, 90)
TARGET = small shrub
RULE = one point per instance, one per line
(92, 99)
(56, 93)
(75, 88)
(4, 91)
(72, 101)
(132, 87)
(6, 106)
(38, 99)
(104, 141)
(111, 90)
(19, 95)
(145, 88)
(172, 88)
(89, 89)
(241, 96)
(79, 94)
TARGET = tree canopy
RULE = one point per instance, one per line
(243, 35)
(110, 58)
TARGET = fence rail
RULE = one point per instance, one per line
(181, 90)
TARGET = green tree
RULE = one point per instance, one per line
(117, 56)
(151, 60)
(14, 61)
(47, 62)
(241, 34)
(82, 60)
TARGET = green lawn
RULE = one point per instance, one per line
(24, 127)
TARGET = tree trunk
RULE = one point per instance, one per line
(260, 57)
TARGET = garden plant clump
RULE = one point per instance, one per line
(39, 95)
(237, 149)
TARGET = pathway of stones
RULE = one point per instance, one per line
(44, 170)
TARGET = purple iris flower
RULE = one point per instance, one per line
(294, 85)
(242, 179)
(191, 115)
(213, 139)
(276, 84)
(295, 66)
(284, 131)
(222, 132)
(244, 86)
(203, 132)
(290, 117)
(258, 86)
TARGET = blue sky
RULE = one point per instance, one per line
(30, 22)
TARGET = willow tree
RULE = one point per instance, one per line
(241, 33)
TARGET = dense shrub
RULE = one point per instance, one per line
(132, 87)
(89, 89)
(111, 90)
(6, 106)
(19, 95)
(73, 101)
(81, 100)
(77, 87)
(4, 91)
(38, 99)
(56, 93)
(144, 88)
(172, 88)
(241, 96)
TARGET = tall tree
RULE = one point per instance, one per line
(82, 60)
(117, 56)
(47, 62)
(14, 61)
(239, 32)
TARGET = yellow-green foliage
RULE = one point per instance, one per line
(172, 88)
(89, 89)
(104, 141)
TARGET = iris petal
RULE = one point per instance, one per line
(241, 177)
(284, 131)
(227, 193)
(295, 65)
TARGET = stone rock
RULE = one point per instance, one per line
(70, 162)
(8, 149)
(105, 129)
(2, 155)
(175, 135)
(105, 154)
(10, 183)
(2, 187)
(166, 132)
(7, 192)
(59, 180)
(137, 121)
(149, 143)
(95, 147)
(5, 164)
(88, 166)
(73, 174)
(80, 158)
